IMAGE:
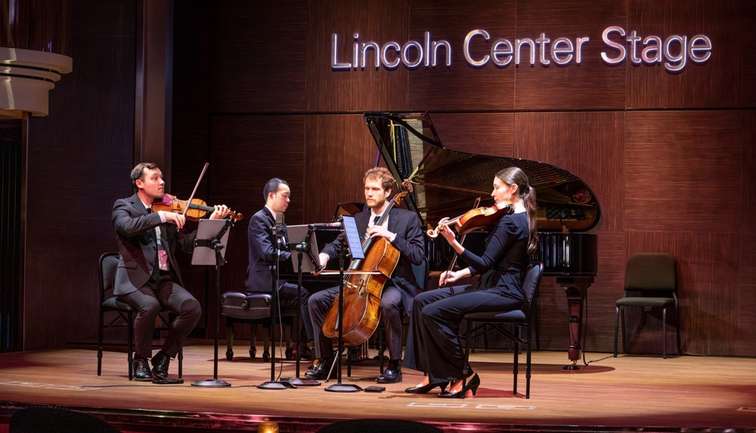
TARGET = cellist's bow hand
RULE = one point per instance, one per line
(220, 212)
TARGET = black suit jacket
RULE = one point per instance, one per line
(262, 254)
(409, 241)
(137, 244)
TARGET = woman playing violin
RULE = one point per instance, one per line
(437, 314)
(148, 277)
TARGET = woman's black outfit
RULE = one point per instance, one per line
(437, 314)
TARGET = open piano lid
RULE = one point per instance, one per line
(446, 182)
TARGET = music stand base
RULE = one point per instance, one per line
(303, 382)
(343, 387)
(212, 383)
(273, 385)
(571, 367)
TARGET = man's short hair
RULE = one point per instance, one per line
(138, 171)
(272, 186)
(382, 174)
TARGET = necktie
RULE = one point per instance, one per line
(376, 219)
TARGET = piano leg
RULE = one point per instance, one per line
(576, 298)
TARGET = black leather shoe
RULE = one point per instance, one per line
(160, 363)
(142, 370)
(390, 375)
(424, 389)
(471, 385)
(321, 371)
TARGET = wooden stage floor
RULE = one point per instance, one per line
(627, 393)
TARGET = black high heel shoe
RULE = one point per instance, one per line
(471, 385)
(424, 389)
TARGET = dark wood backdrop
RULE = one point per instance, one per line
(670, 156)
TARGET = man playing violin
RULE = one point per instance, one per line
(262, 248)
(148, 277)
(403, 229)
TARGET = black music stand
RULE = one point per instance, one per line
(302, 240)
(279, 239)
(354, 246)
(209, 250)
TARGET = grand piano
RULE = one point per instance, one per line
(447, 183)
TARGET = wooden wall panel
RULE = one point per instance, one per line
(258, 56)
(684, 169)
(707, 265)
(79, 161)
(676, 181)
(462, 87)
(481, 133)
(339, 148)
(589, 145)
(725, 80)
(592, 84)
(354, 90)
(246, 152)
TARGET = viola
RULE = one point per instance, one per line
(475, 218)
(194, 210)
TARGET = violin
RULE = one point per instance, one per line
(475, 218)
(194, 210)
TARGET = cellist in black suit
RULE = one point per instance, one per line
(403, 230)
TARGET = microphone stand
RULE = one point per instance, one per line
(272, 383)
(338, 386)
(301, 247)
(217, 245)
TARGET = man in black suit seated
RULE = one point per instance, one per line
(262, 248)
(404, 231)
(148, 277)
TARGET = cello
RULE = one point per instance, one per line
(364, 287)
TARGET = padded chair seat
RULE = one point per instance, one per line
(112, 303)
(630, 301)
(496, 315)
(246, 305)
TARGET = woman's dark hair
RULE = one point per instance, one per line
(515, 176)
(272, 186)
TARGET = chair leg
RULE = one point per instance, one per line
(266, 343)
(181, 363)
(99, 344)
(528, 366)
(130, 348)
(664, 332)
(516, 360)
(537, 328)
(253, 341)
(616, 328)
(229, 339)
(677, 327)
(623, 330)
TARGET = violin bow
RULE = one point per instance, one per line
(196, 185)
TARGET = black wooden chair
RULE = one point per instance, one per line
(124, 314)
(523, 321)
(650, 283)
